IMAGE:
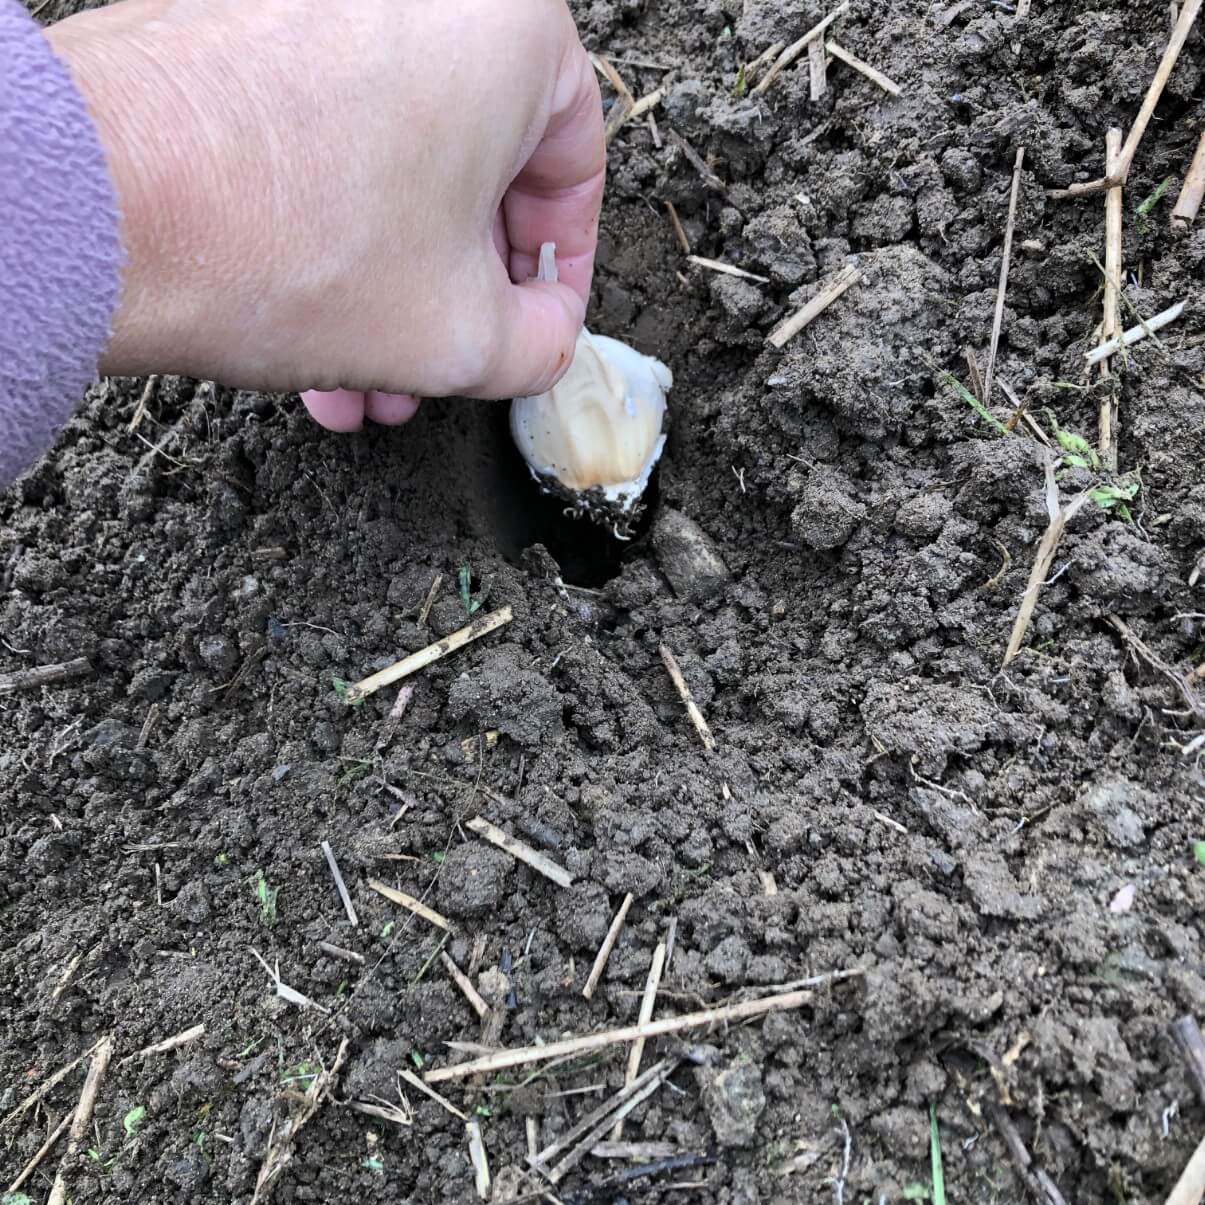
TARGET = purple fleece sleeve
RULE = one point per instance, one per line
(60, 248)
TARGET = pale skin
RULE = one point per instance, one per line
(347, 200)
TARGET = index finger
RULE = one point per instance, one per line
(557, 195)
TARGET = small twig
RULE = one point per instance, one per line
(786, 330)
(1035, 1179)
(428, 656)
(872, 73)
(283, 990)
(1190, 1187)
(634, 1150)
(41, 1153)
(44, 675)
(378, 1106)
(604, 951)
(280, 1143)
(1111, 322)
(846, 1149)
(679, 231)
(688, 700)
(462, 981)
(624, 102)
(796, 48)
(144, 400)
(1135, 333)
(1177, 680)
(340, 885)
(1188, 203)
(172, 1043)
(408, 901)
(767, 56)
(477, 1157)
(883, 818)
(517, 849)
(647, 1003)
(697, 162)
(1002, 289)
(577, 1140)
(429, 601)
(817, 69)
(339, 952)
(976, 377)
(40, 1091)
(649, 101)
(1060, 516)
(718, 265)
(417, 1084)
(82, 1117)
(500, 1060)
(1188, 15)
(1187, 1036)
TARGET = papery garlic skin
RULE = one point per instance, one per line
(600, 427)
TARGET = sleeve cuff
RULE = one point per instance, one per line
(60, 244)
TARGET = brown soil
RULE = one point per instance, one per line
(956, 831)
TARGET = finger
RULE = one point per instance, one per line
(501, 238)
(337, 410)
(390, 409)
(557, 195)
(534, 339)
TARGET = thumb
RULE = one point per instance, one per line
(537, 325)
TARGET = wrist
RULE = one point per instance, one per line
(140, 110)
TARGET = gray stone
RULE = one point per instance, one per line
(688, 557)
(734, 1101)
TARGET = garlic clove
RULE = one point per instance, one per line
(600, 426)
(595, 435)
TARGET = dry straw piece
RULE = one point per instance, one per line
(408, 901)
(604, 951)
(517, 849)
(1188, 203)
(500, 1060)
(1111, 322)
(786, 330)
(688, 700)
(102, 1053)
(796, 48)
(1002, 290)
(718, 265)
(872, 73)
(1121, 169)
(428, 656)
(1060, 516)
(647, 1003)
(1135, 333)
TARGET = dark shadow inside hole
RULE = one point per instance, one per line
(522, 514)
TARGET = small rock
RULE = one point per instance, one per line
(729, 961)
(1123, 901)
(583, 919)
(218, 653)
(474, 880)
(189, 1172)
(623, 871)
(738, 298)
(688, 557)
(191, 903)
(995, 891)
(1109, 805)
(734, 1100)
(826, 515)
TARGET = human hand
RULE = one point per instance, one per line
(352, 198)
